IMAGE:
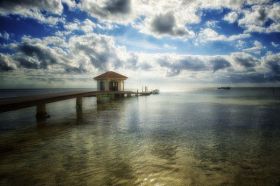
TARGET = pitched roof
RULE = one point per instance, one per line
(110, 75)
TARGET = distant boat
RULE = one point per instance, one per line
(224, 88)
(156, 91)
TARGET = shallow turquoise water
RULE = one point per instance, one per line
(203, 137)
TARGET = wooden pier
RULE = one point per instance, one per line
(40, 101)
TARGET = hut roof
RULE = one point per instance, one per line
(110, 75)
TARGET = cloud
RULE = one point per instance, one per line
(274, 44)
(35, 56)
(76, 54)
(118, 6)
(256, 48)
(157, 18)
(110, 10)
(6, 63)
(239, 67)
(165, 24)
(231, 17)
(92, 53)
(5, 35)
(265, 69)
(86, 26)
(53, 6)
(245, 60)
(219, 63)
(209, 34)
(256, 18)
(33, 9)
(70, 3)
(272, 61)
(193, 63)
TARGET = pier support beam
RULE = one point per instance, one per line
(41, 112)
(79, 107)
(79, 103)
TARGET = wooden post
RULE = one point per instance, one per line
(79, 103)
(41, 113)
(79, 107)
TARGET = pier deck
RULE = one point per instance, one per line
(40, 101)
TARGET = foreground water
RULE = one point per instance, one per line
(202, 137)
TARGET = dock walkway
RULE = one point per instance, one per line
(40, 101)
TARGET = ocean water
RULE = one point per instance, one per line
(200, 137)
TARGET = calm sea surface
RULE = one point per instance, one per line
(200, 137)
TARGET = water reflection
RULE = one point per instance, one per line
(145, 141)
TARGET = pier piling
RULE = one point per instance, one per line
(79, 103)
(41, 112)
(79, 107)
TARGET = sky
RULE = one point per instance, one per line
(165, 44)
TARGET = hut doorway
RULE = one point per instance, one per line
(102, 86)
(113, 86)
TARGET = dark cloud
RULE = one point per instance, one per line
(78, 55)
(262, 15)
(100, 59)
(219, 63)
(44, 11)
(171, 70)
(14, 6)
(192, 63)
(30, 56)
(118, 6)
(134, 63)
(145, 66)
(118, 11)
(39, 57)
(245, 60)
(28, 63)
(273, 63)
(77, 70)
(266, 69)
(188, 63)
(4, 66)
(166, 24)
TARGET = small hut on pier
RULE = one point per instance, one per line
(110, 81)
